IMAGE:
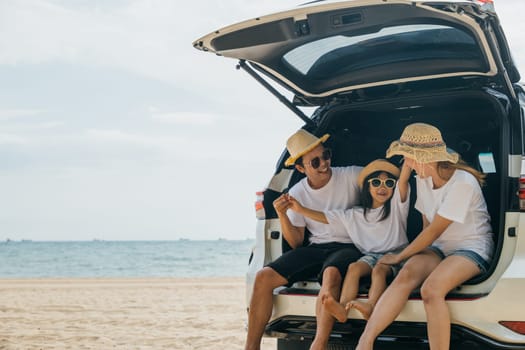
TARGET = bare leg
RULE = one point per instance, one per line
(449, 274)
(390, 304)
(379, 275)
(261, 305)
(349, 291)
(331, 287)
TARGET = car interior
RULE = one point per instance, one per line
(471, 123)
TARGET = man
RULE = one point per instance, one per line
(330, 249)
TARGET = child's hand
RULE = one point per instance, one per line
(294, 204)
(282, 203)
(406, 167)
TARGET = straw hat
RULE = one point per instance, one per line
(423, 143)
(301, 143)
(377, 165)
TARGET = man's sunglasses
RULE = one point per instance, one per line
(376, 182)
(316, 162)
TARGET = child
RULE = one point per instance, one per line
(377, 227)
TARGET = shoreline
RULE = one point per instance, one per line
(123, 313)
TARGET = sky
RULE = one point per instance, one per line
(112, 126)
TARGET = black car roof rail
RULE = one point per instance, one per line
(242, 64)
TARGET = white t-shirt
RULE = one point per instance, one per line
(340, 192)
(461, 201)
(371, 235)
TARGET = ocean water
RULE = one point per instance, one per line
(181, 258)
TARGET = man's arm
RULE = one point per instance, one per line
(294, 235)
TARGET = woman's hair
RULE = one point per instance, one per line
(366, 197)
(461, 164)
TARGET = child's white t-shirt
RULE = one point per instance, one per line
(368, 233)
(461, 201)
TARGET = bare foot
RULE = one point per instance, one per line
(324, 296)
(335, 309)
(364, 308)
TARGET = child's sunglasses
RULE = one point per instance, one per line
(316, 162)
(376, 182)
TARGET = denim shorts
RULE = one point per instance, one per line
(469, 254)
(372, 258)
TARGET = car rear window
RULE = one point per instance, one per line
(436, 48)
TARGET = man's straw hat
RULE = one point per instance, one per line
(423, 143)
(301, 143)
(377, 165)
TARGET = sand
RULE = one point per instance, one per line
(163, 313)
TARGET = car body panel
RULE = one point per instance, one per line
(300, 47)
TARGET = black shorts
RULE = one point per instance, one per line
(303, 263)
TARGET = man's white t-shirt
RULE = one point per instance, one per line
(341, 192)
(461, 201)
(370, 235)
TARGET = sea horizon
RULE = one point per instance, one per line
(7, 239)
(131, 258)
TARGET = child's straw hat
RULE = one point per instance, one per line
(377, 165)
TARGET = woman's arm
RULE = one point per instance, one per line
(429, 234)
(425, 221)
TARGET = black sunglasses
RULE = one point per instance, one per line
(376, 182)
(316, 162)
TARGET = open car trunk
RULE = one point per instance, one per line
(474, 122)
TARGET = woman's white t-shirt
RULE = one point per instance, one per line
(461, 201)
(369, 234)
(340, 192)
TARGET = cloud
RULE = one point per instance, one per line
(201, 119)
(9, 139)
(109, 136)
(6, 114)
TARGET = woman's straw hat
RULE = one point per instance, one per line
(301, 143)
(423, 143)
(377, 165)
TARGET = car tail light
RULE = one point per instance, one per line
(259, 206)
(515, 326)
(521, 193)
(486, 4)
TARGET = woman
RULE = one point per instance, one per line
(455, 243)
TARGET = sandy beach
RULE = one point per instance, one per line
(174, 313)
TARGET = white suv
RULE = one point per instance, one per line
(371, 67)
